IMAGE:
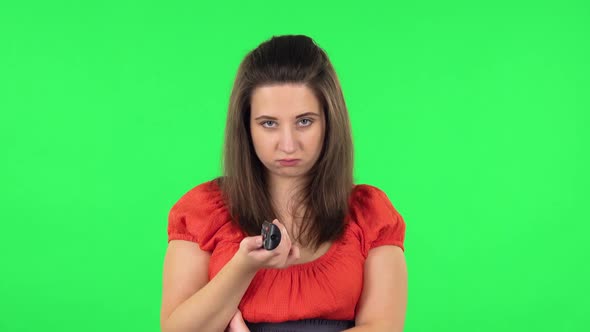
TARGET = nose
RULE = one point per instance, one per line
(287, 141)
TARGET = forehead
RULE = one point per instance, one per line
(283, 99)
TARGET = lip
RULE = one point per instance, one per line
(288, 162)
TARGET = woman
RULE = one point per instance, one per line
(288, 158)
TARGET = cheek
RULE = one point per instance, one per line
(260, 141)
(318, 137)
(256, 135)
(255, 138)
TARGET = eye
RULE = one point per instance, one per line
(309, 122)
(265, 122)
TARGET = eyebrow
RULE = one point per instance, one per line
(297, 117)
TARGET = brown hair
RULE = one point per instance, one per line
(294, 59)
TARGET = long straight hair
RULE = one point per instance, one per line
(325, 189)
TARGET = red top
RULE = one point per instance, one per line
(328, 287)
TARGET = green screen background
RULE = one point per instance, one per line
(471, 116)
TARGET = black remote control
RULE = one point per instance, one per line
(271, 235)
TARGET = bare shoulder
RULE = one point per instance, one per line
(185, 272)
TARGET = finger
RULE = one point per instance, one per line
(253, 242)
(282, 227)
(278, 223)
(295, 252)
(294, 255)
(235, 318)
(283, 230)
(240, 323)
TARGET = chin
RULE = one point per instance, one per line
(289, 173)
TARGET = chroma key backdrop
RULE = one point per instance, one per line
(471, 115)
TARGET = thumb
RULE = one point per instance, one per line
(294, 254)
(253, 242)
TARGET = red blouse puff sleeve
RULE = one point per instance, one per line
(201, 216)
(380, 223)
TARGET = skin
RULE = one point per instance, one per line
(190, 300)
(186, 289)
(280, 131)
(286, 122)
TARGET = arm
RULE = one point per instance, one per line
(382, 306)
(189, 301)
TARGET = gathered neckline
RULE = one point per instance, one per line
(326, 257)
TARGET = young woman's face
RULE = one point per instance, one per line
(286, 123)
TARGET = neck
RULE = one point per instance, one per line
(282, 189)
(282, 192)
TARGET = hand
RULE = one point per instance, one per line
(256, 257)
(237, 323)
